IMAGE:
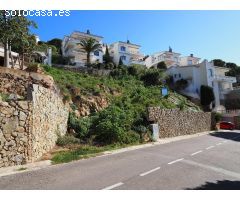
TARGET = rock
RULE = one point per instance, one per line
(14, 97)
(23, 105)
(22, 116)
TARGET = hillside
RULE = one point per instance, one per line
(113, 109)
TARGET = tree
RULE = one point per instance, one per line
(107, 58)
(206, 95)
(57, 43)
(90, 45)
(120, 62)
(219, 62)
(13, 28)
(24, 47)
(162, 65)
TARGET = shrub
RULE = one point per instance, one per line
(136, 70)
(207, 95)
(161, 65)
(67, 140)
(112, 126)
(58, 59)
(218, 117)
(181, 84)
(120, 72)
(152, 77)
(80, 126)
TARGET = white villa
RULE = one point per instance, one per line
(129, 53)
(204, 73)
(169, 57)
(72, 49)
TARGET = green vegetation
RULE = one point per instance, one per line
(4, 97)
(218, 117)
(90, 45)
(207, 96)
(124, 121)
(21, 169)
(82, 152)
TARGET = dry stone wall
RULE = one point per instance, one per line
(15, 137)
(174, 122)
(29, 127)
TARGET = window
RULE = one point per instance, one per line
(96, 53)
(211, 72)
(122, 48)
(123, 57)
(179, 75)
(175, 75)
(189, 62)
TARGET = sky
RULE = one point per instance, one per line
(206, 34)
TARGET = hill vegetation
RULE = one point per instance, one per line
(128, 92)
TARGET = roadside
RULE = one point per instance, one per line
(87, 153)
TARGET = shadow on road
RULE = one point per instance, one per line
(219, 185)
(230, 135)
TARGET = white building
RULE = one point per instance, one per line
(72, 49)
(169, 57)
(129, 53)
(204, 73)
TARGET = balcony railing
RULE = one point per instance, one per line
(229, 79)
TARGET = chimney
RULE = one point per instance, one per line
(88, 31)
(191, 55)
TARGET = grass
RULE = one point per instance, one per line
(83, 152)
(4, 97)
(22, 169)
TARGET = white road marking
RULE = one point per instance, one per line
(219, 143)
(210, 147)
(175, 161)
(196, 153)
(150, 171)
(113, 186)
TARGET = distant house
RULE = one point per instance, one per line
(204, 73)
(71, 48)
(128, 52)
(169, 57)
(13, 58)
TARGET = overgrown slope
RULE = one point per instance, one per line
(116, 105)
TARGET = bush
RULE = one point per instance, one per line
(218, 117)
(152, 77)
(181, 84)
(113, 125)
(58, 59)
(207, 95)
(136, 70)
(80, 126)
(161, 65)
(120, 72)
(67, 140)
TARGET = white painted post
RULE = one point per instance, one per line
(49, 56)
(155, 132)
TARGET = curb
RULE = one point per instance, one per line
(43, 164)
(24, 168)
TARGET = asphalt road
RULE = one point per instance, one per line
(204, 162)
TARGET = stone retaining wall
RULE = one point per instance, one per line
(15, 137)
(29, 128)
(176, 122)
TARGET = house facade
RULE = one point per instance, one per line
(129, 53)
(72, 49)
(204, 73)
(169, 57)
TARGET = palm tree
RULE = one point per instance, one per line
(90, 45)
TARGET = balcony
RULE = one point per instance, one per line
(229, 79)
